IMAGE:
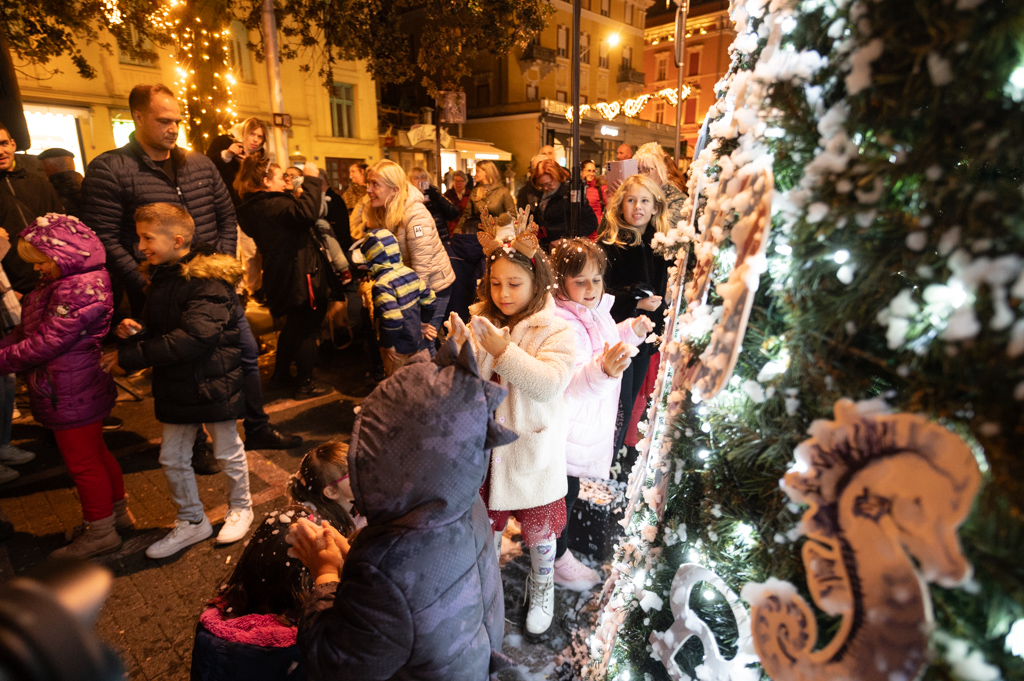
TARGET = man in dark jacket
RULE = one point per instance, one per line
(419, 596)
(59, 165)
(24, 196)
(152, 169)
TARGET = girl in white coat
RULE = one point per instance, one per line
(603, 350)
(521, 343)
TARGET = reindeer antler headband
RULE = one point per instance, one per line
(518, 235)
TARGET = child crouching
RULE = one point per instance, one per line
(419, 595)
(190, 337)
(248, 632)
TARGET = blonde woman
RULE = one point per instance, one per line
(635, 274)
(397, 206)
(652, 161)
(490, 193)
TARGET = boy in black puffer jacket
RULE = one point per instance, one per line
(190, 337)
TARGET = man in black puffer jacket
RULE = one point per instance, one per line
(152, 169)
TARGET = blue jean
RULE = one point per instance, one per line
(255, 416)
(440, 310)
(176, 460)
(6, 407)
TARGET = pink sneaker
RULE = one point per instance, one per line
(572, 574)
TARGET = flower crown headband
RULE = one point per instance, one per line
(519, 235)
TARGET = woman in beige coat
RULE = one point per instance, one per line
(489, 194)
(520, 342)
(397, 206)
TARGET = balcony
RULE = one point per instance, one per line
(544, 59)
(535, 52)
(631, 83)
(630, 77)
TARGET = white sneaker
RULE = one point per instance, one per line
(572, 574)
(7, 474)
(236, 524)
(184, 534)
(10, 454)
(541, 609)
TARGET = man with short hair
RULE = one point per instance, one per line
(24, 196)
(549, 151)
(151, 168)
(624, 152)
(59, 165)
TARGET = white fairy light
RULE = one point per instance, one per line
(1015, 639)
(783, 249)
(1015, 86)
(709, 595)
(745, 532)
(703, 454)
(638, 579)
(841, 256)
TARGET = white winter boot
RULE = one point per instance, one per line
(540, 591)
(540, 611)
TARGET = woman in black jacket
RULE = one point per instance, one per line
(550, 206)
(293, 276)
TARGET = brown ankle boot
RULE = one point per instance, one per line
(97, 538)
(123, 518)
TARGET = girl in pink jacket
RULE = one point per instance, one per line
(603, 351)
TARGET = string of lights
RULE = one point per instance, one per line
(630, 107)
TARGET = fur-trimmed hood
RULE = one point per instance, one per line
(202, 262)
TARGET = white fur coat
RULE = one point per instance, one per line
(536, 368)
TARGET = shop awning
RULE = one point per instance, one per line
(481, 151)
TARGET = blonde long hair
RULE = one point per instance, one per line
(391, 215)
(619, 232)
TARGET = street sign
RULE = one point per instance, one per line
(283, 120)
(453, 107)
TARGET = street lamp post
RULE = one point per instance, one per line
(682, 11)
(575, 187)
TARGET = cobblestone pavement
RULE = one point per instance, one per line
(150, 617)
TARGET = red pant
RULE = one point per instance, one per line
(93, 468)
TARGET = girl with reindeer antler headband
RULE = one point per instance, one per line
(521, 343)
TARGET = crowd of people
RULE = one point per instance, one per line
(487, 312)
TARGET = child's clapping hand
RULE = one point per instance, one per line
(429, 332)
(457, 329)
(321, 549)
(616, 358)
(128, 328)
(491, 338)
(642, 326)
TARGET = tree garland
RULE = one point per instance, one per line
(895, 271)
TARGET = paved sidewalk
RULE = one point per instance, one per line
(150, 617)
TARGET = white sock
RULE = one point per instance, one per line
(542, 559)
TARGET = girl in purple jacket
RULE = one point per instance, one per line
(57, 350)
(603, 350)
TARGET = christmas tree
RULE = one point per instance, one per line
(880, 376)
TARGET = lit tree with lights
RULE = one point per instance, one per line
(883, 351)
(432, 41)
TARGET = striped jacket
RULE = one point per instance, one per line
(401, 301)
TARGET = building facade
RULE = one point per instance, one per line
(89, 117)
(519, 101)
(709, 32)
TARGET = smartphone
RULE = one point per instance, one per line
(620, 170)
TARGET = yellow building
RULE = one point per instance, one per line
(519, 101)
(89, 117)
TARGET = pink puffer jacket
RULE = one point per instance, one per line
(63, 321)
(592, 397)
